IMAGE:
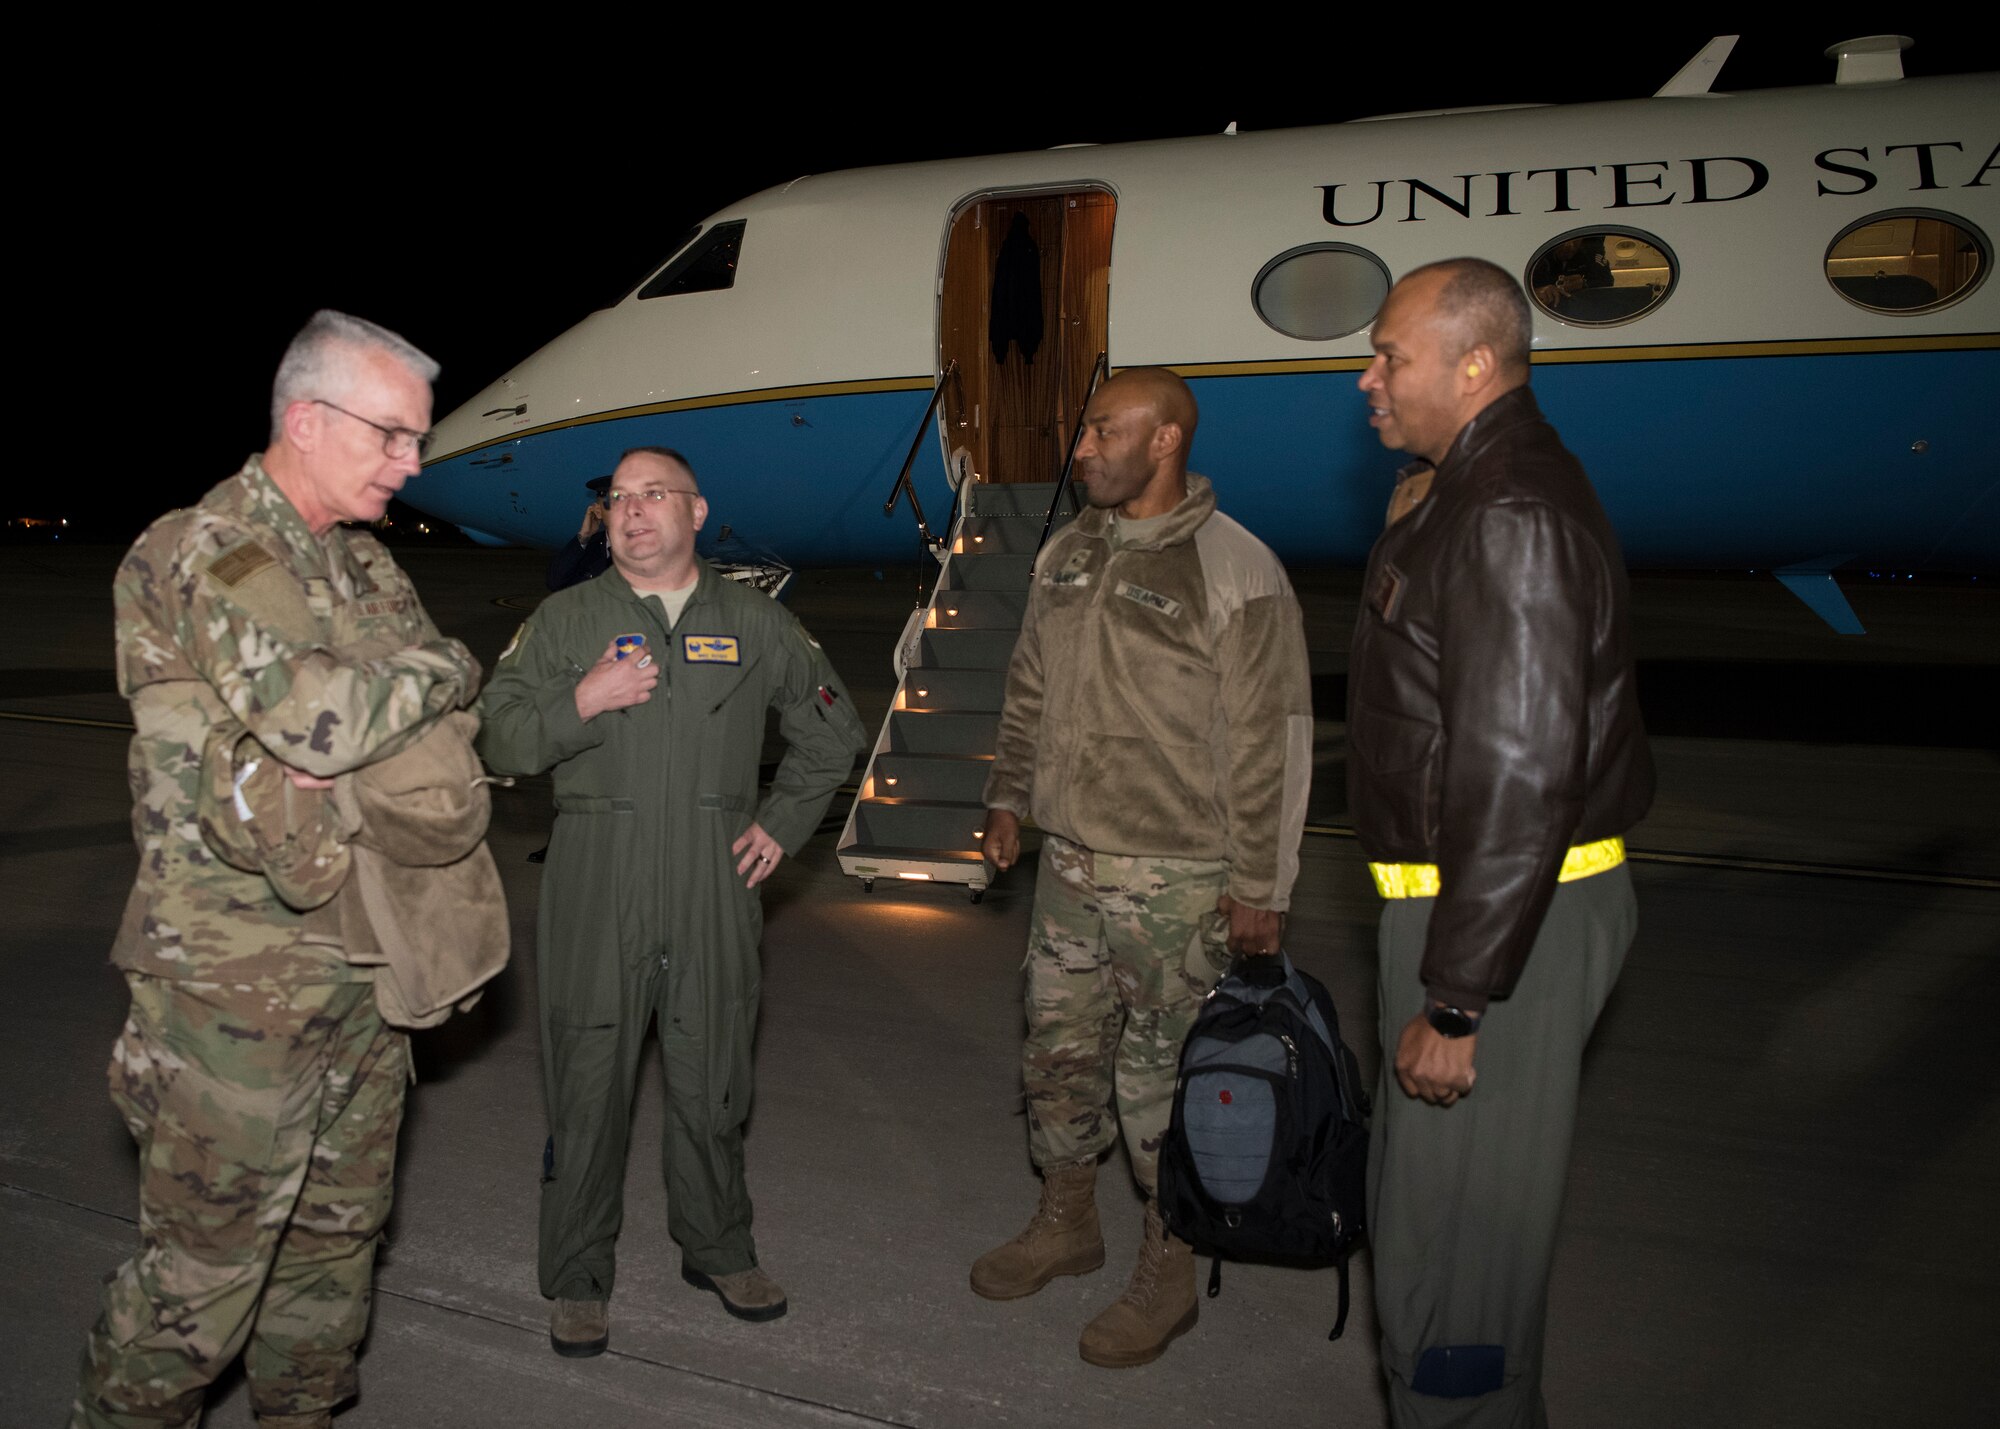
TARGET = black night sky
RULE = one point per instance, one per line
(481, 193)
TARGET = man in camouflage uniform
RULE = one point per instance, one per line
(1158, 725)
(262, 1086)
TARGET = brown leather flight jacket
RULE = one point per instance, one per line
(1491, 717)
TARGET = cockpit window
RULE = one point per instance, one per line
(708, 266)
(1320, 291)
(1600, 277)
(658, 263)
(1913, 261)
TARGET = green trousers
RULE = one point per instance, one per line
(1121, 952)
(1464, 1200)
(591, 1042)
(266, 1119)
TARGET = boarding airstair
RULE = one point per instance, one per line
(920, 811)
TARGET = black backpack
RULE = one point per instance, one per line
(1267, 1155)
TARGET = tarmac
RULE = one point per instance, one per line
(1780, 1202)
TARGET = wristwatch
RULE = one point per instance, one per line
(1450, 1021)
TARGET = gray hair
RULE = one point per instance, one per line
(1482, 303)
(320, 361)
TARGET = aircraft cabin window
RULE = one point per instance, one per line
(1320, 291)
(1907, 262)
(1600, 277)
(707, 267)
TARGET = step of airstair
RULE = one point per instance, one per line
(960, 648)
(959, 778)
(942, 689)
(921, 810)
(1001, 572)
(980, 609)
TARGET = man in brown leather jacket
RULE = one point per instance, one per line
(1495, 759)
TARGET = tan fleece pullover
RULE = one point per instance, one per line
(1159, 702)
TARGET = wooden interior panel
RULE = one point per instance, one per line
(962, 336)
(1012, 415)
(1086, 299)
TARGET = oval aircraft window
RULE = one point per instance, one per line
(1320, 291)
(1599, 277)
(1907, 262)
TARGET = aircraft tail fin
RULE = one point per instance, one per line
(1698, 75)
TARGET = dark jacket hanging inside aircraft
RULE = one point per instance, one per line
(1017, 294)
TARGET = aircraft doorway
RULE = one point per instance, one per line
(1024, 310)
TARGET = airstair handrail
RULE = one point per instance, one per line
(903, 482)
(1098, 370)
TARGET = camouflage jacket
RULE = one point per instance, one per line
(233, 609)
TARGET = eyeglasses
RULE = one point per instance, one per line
(658, 493)
(397, 442)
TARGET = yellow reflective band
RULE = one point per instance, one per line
(1587, 859)
(1420, 880)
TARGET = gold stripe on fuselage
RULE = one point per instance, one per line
(692, 404)
(1802, 347)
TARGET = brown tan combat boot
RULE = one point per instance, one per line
(1061, 1239)
(747, 1294)
(1156, 1308)
(579, 1329)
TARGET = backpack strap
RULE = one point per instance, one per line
(1340, 1321)
(1214, 1276)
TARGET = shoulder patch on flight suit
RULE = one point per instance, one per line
(1152, 599)
(239, 563)
(710, 650)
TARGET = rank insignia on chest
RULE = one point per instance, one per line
(1073, 572)
(710, 650)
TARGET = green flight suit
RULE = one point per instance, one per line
(643, 913)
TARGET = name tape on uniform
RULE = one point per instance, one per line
(1151, 599)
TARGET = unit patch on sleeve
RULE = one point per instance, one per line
(239, 563)
(1165, 604)
(710, 650)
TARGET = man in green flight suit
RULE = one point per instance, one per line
(650, 904)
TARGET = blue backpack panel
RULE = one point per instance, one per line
(1266, 1158)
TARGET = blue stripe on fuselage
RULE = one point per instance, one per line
(1744, 462)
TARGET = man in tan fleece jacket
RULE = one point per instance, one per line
(1158, 726)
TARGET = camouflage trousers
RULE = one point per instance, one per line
(1121, 952)
(266, 1118)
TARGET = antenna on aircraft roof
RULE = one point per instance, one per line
(1697, 76)
(1872, 59)
(1232, 127)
